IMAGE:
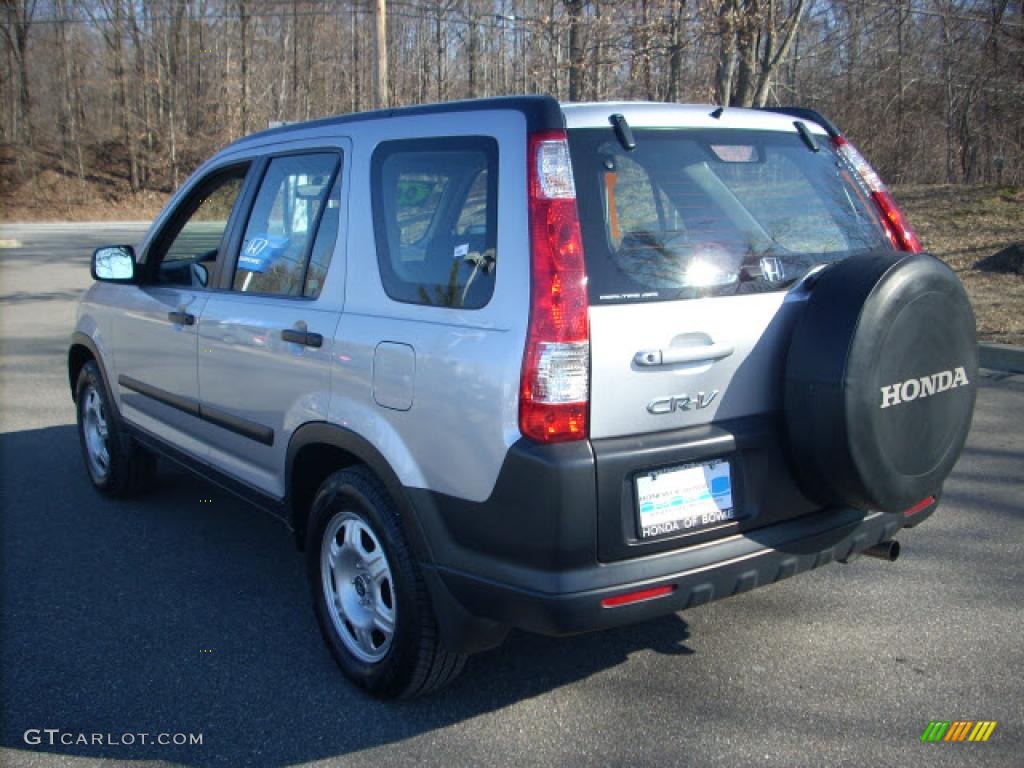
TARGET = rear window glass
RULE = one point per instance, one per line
(435, 212)
(691, 213)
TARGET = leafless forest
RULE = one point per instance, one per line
(137, 92)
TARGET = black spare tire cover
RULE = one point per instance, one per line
(880, 381)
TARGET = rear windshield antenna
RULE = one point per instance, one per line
(717, 113)
(805, 134)
(623, 132)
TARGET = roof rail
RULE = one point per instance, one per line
(806, 114)
(542, 112)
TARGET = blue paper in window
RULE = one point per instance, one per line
(260, 252)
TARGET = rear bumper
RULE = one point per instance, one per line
(559, 534)
(571, 603)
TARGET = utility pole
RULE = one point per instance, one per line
(575, 11)
(380, 89)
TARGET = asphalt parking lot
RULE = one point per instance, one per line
(186, 611)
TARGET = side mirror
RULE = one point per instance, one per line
(114, 264)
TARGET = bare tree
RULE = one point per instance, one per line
(576, 63)
(932, 90)
(70, 141)
(380, 79)
(18, 18)
(677, 45)
(244, 21)
(754, 38)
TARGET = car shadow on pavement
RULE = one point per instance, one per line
(187, 611)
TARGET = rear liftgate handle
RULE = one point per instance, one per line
(706, 353)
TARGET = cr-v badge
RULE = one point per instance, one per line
(681, 403)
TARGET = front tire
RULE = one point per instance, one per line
(369, 597)
(116, 466)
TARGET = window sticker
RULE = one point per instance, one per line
(260, 252)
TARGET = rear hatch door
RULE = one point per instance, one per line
(697, 242)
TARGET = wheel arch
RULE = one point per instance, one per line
(81, 351)
(317, 449)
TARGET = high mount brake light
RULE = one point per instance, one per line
(897, 228)
(554, 392)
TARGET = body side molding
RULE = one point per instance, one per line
(250, 429)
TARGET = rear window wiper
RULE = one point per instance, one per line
(623, 132)
(805, 134)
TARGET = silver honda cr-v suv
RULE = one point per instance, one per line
(515, 363)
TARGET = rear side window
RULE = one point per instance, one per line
(691, 213)
(435, 220)
(283, 252)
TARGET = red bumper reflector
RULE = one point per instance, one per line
(922, 504)
(637, 597)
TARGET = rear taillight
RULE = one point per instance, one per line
(902, 237)
(554, 392)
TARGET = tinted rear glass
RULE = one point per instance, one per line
(692, 213)
(435, 207)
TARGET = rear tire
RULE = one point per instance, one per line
(369, 597)
(117, 466)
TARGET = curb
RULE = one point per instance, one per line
(1001, 357)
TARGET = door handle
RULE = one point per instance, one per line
(181, 318)
(705, 353)
(305, 338)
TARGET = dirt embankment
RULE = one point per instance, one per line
(964, 225)
(41, 185)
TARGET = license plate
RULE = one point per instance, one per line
(684, 499)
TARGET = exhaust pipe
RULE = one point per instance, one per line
(885, 550)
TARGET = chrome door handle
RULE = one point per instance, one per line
(705, 353)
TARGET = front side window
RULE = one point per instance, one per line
(186, 252)
(435, 220)
(283, 252)
(690, 213)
